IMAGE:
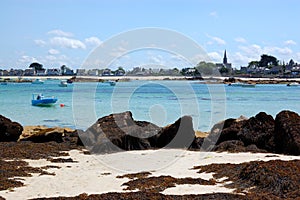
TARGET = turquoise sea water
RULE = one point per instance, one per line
(161, 102)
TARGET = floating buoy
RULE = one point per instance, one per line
(62, 105)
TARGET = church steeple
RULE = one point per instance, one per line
(225, 58)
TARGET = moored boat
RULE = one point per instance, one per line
(63, 84)
(40, 100)
(37, 81)
(242, 84)
(293, 84)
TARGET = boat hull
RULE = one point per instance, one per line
(44, 102)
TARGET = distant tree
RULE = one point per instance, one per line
(176, 70)
(223, 70)
(63, 69)
(121, 69)
(291, 63)
(253, 64)
(268, 61)
(206, 68)
(36, 66)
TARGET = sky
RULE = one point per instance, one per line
(57, 32)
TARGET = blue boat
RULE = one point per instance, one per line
(40, 100)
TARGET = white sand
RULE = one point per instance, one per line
(89, 174)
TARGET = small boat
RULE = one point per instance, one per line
(242, 84)
(63, 84)
(249, 85)
(40, 100)
(37, 81)
(293, 84)
(111, 83)
(69, 81)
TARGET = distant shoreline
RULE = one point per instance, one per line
(206, 79)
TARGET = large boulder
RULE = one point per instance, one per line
(118, 132)
(40, 134)
(259, 130)
(9, 131)
(287, 133)
(181, 134)
(226, 130)
(223, 131)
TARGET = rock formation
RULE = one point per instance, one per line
(118, 132)
(287, 133)
(9, 131)
(44, 134)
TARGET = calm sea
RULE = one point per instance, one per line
(161, 102)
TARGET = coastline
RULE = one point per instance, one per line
(204, 80)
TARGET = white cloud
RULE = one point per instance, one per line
(215, 57)
(290, 42)
(118, 52)
(27, 60)
(217, 40)
(252, 50)
(93, 41)
(213, 14)
(157, 59)
(67, 43)
(40, 42)
(240, 59)
(240, 40)
(60, 33)
(53, 52)
(277, 50)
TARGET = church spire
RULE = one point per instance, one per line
(225, 58)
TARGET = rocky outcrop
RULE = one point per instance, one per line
(9, 131)
(227, 130)
(178, 135)
(258, 134)
(44, 134)
(287, 133)
(258, 130)
(118, 132)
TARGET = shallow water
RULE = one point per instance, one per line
(161, 102)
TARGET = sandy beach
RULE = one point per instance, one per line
(97, 174)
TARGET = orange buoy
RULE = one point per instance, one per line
(62, 105)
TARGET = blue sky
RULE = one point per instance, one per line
(56, 32)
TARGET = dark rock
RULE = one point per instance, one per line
(118, 132)
(196, 144)
(253, 149)
(232, 146)
(259, 130)
(9, 131)
(287, 133)
(178, 135)
(226, 130)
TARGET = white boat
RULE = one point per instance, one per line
(293, 84)
(242, 84)
(63, 84)
(111, 83)
(37, 81)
